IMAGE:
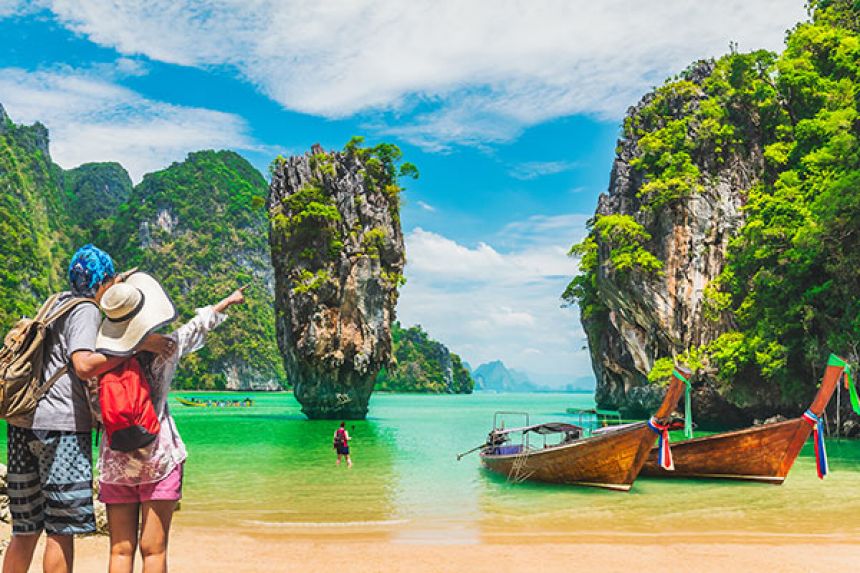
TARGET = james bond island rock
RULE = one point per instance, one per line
(726, 238)
(338, 254)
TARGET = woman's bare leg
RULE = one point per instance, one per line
(122, 524)
(155, 534)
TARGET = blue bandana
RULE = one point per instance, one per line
(89, 268)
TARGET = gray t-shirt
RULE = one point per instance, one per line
(66, 407)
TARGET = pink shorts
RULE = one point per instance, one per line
(167, 489)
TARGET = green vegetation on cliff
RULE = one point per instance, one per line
(93, 192)
(200, 227)
(789, 287)
(34, 246)
(423, 365)
(792, 277)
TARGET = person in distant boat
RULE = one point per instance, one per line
(141, 486)
(341, 444)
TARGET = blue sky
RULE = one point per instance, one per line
(510, 109)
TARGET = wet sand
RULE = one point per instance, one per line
(215, 551)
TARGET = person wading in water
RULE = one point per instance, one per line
(341, 444)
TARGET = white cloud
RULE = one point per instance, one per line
(427, 206)
(16, 8)
(91, 118)
(529, 170)
(487, 303)
(481, 70)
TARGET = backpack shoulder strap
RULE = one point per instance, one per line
(67, 307)
(46, 307)
(43, 390)
(44, 317)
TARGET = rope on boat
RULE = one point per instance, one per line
(518, 473)
(818, 437)
(688, 404)
(664, 452)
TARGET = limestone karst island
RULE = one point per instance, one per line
(447, 286)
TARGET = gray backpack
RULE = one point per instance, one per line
(21, 361)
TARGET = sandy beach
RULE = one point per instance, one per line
(215, 551)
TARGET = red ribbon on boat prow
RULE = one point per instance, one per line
(818, 439)
(664, 452)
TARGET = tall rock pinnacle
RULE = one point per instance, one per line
(338, 254)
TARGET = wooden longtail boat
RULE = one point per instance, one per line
(609, 458)
(209, 403)
(191, 404)
(761, 453)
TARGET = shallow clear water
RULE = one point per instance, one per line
(266, 470)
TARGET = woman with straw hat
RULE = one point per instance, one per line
(145, 484)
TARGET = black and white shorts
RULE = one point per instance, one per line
(50, 481)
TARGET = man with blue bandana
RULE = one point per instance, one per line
(50, 463)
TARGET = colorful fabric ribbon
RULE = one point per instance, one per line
(664, 452)
(688, 404)
(818, 439)
(849, 383)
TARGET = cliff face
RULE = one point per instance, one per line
(649, 314)
(423, 365)
(199, 226)
(338, 254)
(33, 217)
(727, 239)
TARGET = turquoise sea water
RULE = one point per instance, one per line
(266, 470)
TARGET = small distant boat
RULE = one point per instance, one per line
(210, 403)
(760, 453)
(600, 418)
(610, 457)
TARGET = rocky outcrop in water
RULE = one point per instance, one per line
(728, 237)
(648, 315)
(338, 254)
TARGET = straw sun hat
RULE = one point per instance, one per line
(133, 308)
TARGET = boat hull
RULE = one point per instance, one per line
(762, 453)
(612, 460)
